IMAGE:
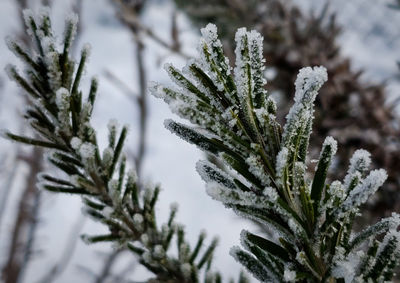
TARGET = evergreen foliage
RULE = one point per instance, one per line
(350, 109)
(310, 219)
(61, 115)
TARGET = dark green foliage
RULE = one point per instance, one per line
(309, 218)
(61, 116)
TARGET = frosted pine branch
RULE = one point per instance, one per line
(267, 179)
(61, 116)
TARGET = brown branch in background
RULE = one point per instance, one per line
(142, 104)
(132, 21)
(25, 224)
(108, 264)
(7, 182)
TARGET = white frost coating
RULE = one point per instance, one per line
(44, 12)
(308, 82)
(144, 239)
(330, 141)
(337, 193)
(108, 155)
(48, 44)
(76, 143)
(137, 218)
(220, 177)
(146, 256)
(159, 251)
(241, 76)
(230, 196)
(364, 190)
(52, 62)
(347, 268)
(295, 227)
(256, 168)
(289, 275)
(281, 161)
(107, 211)
(72, 18)
(62, 98)
(131, 176)
(28, 17)
(257, 62)
(261, 113)
(87, 150)
(87, 49)
(113, 187)
(186, 269)
(359, 163)
(71, 21)
(156, 89)
(211, 42)
(112, 125)
(209, 33)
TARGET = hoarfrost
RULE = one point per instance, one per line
(308, 81)
(87, 150)
(330, 141)
(359, 163)
(347, 267)
(62, 98)
(144, 239)
(159, 251)
(362, 191)
(230, 196)
(76, 143)
(107, 211)
(137, 218)
(28, 17)
(186, 269)
(289, 275)
(281, 161)
(256, 168)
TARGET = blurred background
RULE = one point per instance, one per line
(358, 41)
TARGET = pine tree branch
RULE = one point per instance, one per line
(311, 219)
(110, 193)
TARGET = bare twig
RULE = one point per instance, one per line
(122, 86)
(7, 184)
(132, 21)
(108, 266)
(21, 246)
(142, 104)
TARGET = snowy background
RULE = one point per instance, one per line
(371, 37)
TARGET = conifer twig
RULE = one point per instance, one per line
(310, 218)
(61, 114)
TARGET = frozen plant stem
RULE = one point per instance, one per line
(61, 117)
(310, 219)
